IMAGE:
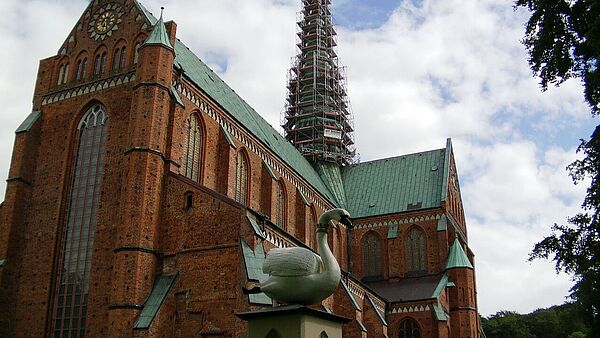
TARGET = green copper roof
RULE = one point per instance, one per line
(221, 93)
(395, 184)
(457, 258)
(159, 35)
(228, 138)
(380, 316)
(440, 287)
(29, 121)
(331, 175)
(439, 312)
(254, 261)
(161, 288)
(349, 294)
(176, 96)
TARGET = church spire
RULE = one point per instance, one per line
(159, 35)
(316, 119)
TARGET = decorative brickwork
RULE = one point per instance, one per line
(164, 257)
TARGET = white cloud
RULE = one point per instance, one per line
(451, 68)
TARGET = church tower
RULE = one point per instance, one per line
(317, 120)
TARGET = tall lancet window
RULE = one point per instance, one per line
(241, 178)
(74, 283)
(372, 265)
(281, 203)
(415, 252)
(193, 149)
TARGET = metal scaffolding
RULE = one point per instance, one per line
(317, 119)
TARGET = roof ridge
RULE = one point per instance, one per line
(394, 157)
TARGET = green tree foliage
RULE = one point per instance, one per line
(563, 41)
(556, 322)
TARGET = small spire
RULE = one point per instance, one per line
(159, 35)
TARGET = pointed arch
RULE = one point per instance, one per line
(78, 240)
(80, 66)
(118, 59)
(242, 177)
(372, 256)
(323, 335)
(63, 71)
(100, 58)
(281, 204)
(194, 148)
(416, 256)
(409, 328)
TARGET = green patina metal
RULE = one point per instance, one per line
(393, 185)
(2, 262)
(161, 288)
(257, 230)
(176, 96)
(331, 174)
(228, 138)
(254, 260)
(349, 294)
(440, 287)
(439, 312)
(159, 35)
(269, 170)
(29, 122)
(457, 258)
(380, 316)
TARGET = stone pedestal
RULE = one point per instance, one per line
(293, 321)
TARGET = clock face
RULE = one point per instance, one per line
(105, 21)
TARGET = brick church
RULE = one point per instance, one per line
(143, 194)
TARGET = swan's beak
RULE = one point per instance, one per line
(345, 220)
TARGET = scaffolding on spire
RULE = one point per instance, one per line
(317, 119)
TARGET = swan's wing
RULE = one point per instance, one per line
(291, 262)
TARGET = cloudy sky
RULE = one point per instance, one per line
(418, 72)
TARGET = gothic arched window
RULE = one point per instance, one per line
(416, 261)
(193, 149)
(280, 206)
(80, 69)
(123, 56)
(372, 265)
(116, 60)
(241, 178)
(74, 283)
(409, 329)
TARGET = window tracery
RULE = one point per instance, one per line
(372, 258)
(241, 178)
(416, 261)
(74, 282)
(193, 149)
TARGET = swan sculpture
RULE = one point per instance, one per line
(298, 275)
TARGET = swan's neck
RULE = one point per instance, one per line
(330, 264)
